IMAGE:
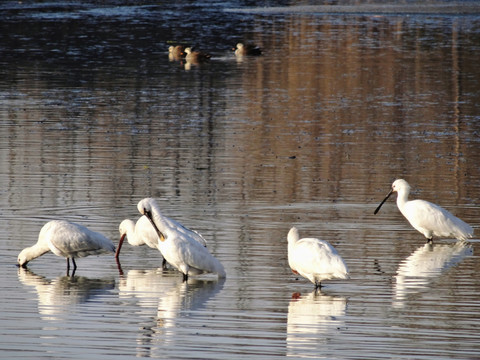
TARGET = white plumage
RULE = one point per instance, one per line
(183, 248)
(66, 239)
(427, 218)
(314, 259)
(138, 234)
(143, 233)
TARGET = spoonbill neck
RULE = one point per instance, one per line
(33, 252)
(128, 229)
(292, 238)
(402, 198)
(158, 222)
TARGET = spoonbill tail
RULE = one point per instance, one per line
(314, 259)
(66, 239)
(427, 218)
(138, 234)
(181, 247)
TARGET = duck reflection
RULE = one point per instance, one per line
(171, 298)
(310, 319)
(58, 297)
(425, 264)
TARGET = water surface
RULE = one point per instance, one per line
(95, 117)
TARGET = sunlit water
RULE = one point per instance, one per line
(94, 117)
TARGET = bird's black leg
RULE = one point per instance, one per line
(74, 266)
(185, 277)
(318, 285)
(68, 266)
(430, 241)
(164, 264)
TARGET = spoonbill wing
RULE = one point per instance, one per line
(431, 219)
(73, 240)
(314, 256)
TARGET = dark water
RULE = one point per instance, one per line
(346, 98)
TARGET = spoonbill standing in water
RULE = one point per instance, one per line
(66, 239)
(142, 233)
(181, 247)
(138, 234)
(427, 218)
(314, 259)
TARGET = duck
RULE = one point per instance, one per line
(196, 57)
(244, 50)
(176, 52)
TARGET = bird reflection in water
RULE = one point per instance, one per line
(311, 318)
(58, 297)
(425, 264)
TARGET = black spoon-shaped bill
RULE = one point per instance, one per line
(383, 201)
(149, 215)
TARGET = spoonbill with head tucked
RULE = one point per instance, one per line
(314, 259)
(427, 218)
(181, 247)
(66, 239)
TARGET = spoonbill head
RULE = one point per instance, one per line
(314, 259)
(137, 234)
(180, 246)
(66, 239)
(427, 218)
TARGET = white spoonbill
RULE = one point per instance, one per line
(138, 234)
(142, 232)
(66, 239)
(428, 218)
(314, 259)
(181, 247)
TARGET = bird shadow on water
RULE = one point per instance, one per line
(425, 264)
(57, 297)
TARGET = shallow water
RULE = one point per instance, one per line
(95, 117)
